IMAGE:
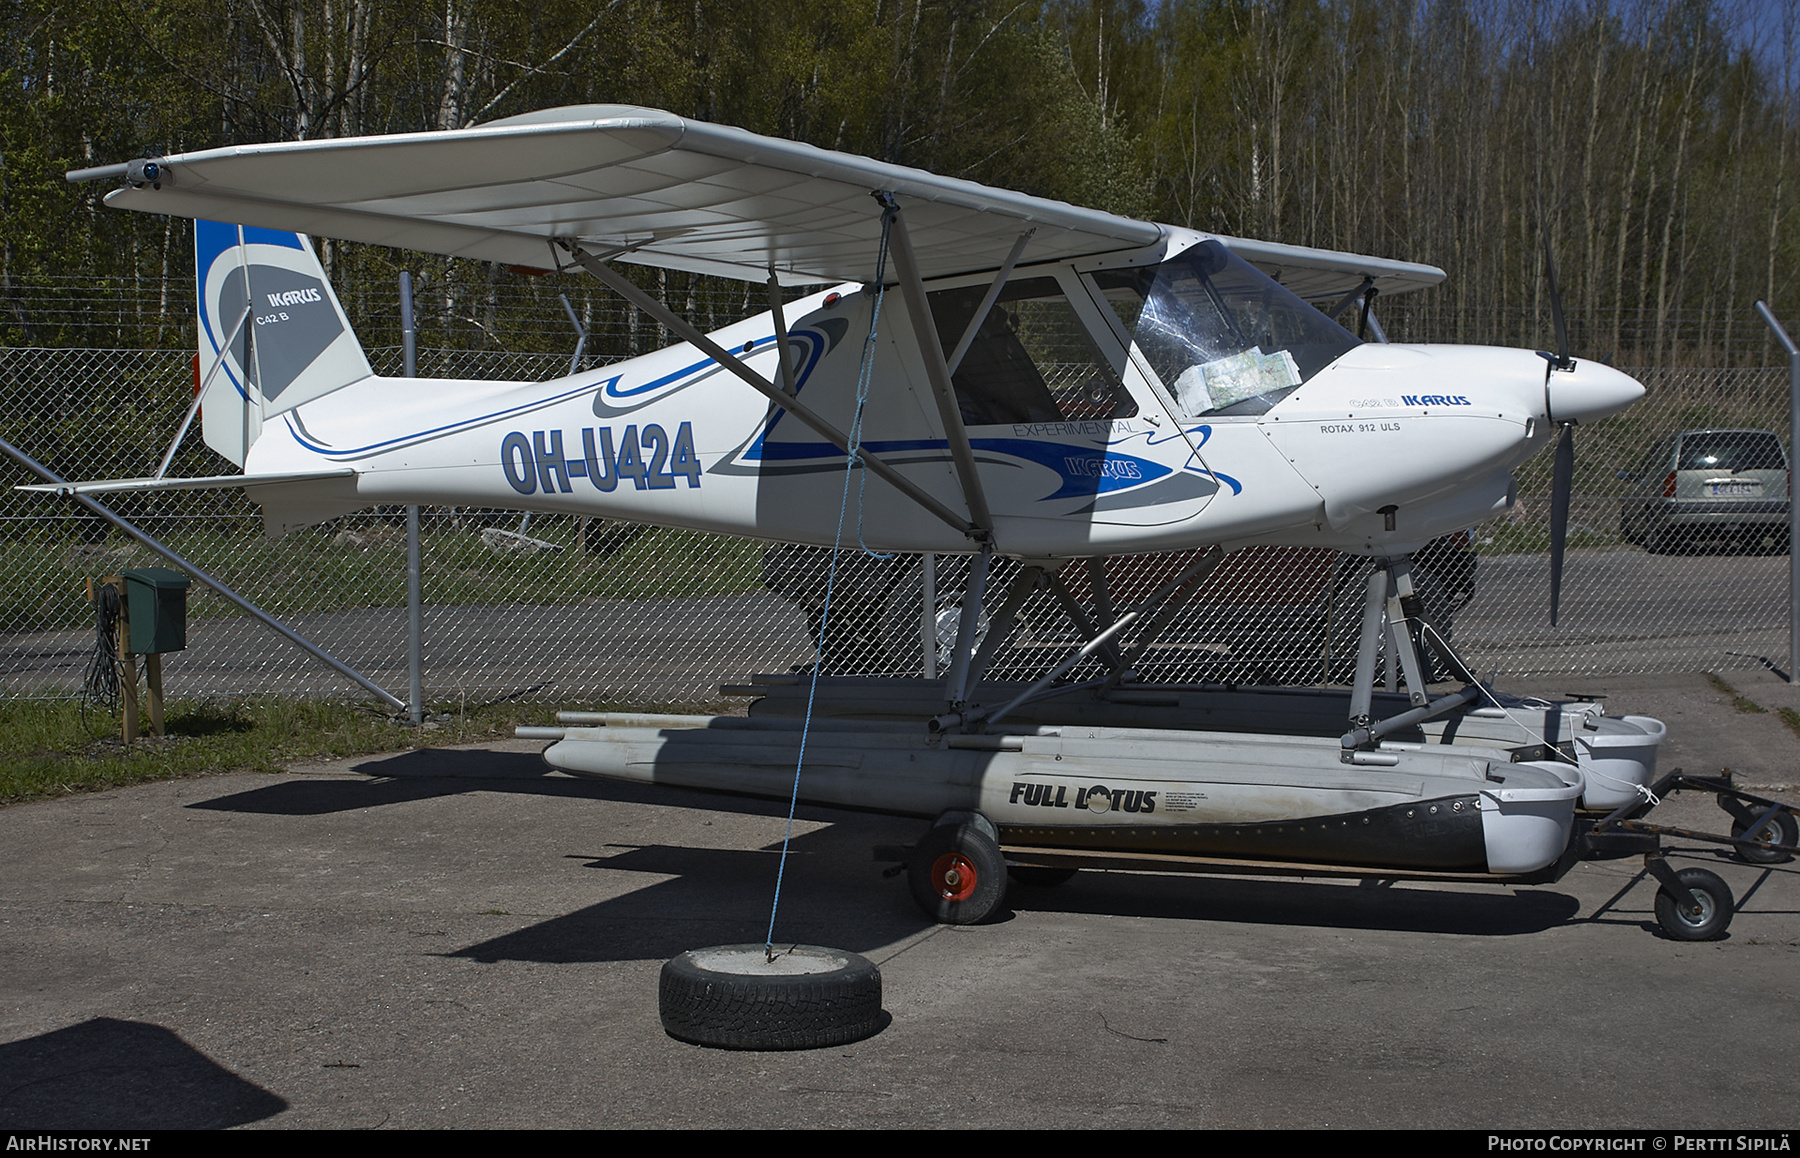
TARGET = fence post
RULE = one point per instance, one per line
(1793, 355)
(415, 675)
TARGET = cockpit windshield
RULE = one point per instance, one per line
(1224, 338)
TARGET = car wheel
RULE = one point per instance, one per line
(738, 997)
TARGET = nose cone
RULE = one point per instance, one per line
(1589, 391)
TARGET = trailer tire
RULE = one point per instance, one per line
(957, 874)
(732, 997)
(1034, 876)
(1716, 907)
(1780, 829)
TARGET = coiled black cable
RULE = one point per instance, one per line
(100, 684)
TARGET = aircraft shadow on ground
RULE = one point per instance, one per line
(833, 892)
(1312, 904)
(720, 896)
(108, 1074)
(431, 773)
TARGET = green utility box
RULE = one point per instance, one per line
(156, 601)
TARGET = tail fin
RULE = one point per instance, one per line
(268, 315)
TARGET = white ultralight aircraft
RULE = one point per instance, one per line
(1049, 383)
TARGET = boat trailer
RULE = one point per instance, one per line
(1692, 904)
(1695, 904)
(1118, 774)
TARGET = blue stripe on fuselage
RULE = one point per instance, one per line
(1084, 470)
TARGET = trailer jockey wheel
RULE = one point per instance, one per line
(1682, 920)
(958, 875)
(735, 997)
(1780, 829)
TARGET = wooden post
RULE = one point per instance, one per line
(153, 679)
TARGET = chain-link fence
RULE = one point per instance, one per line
(588, 611)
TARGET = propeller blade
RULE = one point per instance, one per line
(1563, 361)
(1561, 482)
(1556, 310)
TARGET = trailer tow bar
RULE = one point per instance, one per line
(1696, 904)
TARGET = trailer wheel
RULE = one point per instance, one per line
(1034, 876)
(734, 997)
(1681, 922)
(958, 875)
(1780, 829)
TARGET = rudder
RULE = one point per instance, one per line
(265, 302)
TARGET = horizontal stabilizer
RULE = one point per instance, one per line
(288, 501)
(216, 482)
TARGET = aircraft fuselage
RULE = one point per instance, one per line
(1087, 438)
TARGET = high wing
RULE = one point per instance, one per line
(665, 190)
(656, 189)
(1321, 274)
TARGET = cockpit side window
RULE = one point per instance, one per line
(1032, 360)
(1223, 337)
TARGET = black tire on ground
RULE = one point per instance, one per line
(732, 997)
(957, 874)
(1779, 829)
(1034, 876)
(1714, 916)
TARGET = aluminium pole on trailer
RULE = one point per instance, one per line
(415, 675)
(1793, 356)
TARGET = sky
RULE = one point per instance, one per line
(1771, 29)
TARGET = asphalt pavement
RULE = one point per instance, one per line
(464, 938)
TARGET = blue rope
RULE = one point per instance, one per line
(889, 209)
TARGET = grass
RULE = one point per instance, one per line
(361, 563)
(1787, 716)
(1505, 538)
(1741, 703)
(53, 748)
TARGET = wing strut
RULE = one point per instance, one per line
(781, 338)
(936, 370)
(678, 325)
(987, 301)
